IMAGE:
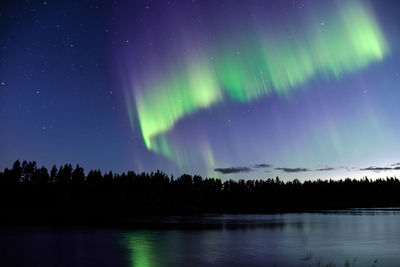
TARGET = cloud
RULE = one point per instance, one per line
(262, 165)
(292, 170)
(393, 167)
(254, 167)
(233, 170)
(325, 169)
(377, 169)
(249, 168)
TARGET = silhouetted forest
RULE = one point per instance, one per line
(29, 192)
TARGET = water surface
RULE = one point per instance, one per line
(344, 238)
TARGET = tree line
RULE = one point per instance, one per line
(27, 190)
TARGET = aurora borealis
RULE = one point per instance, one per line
(273, 65)
(229, 89)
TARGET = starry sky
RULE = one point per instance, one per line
(230, 89)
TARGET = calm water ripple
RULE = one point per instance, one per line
(360, 237)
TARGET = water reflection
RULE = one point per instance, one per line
(141, 247)
(359, 238)
(366, 238)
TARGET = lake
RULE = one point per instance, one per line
(359, 237)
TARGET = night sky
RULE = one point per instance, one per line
(229, 89)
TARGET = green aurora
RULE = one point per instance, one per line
(348, 40)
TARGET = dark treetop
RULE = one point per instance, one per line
(29, 194)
